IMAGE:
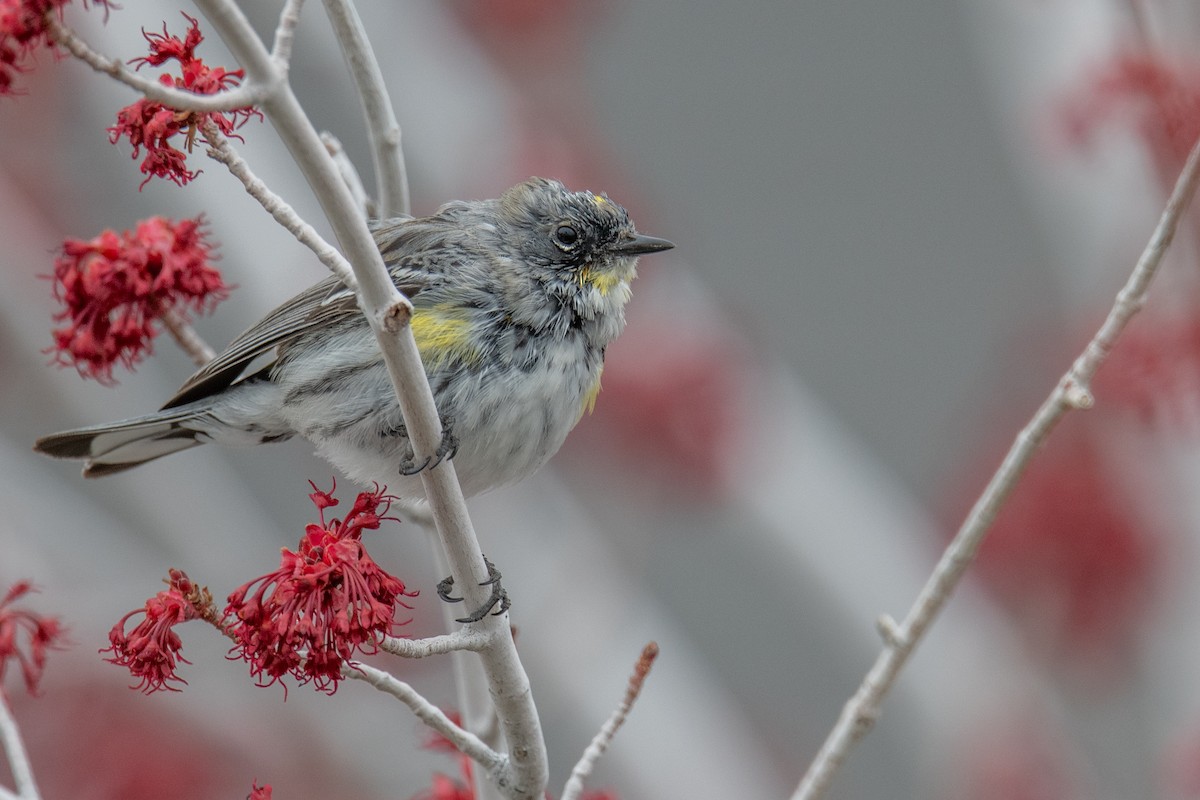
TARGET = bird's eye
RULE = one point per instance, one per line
(566, 236)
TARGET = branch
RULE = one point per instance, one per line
(461, 639)
(1072, 392)
(18, 759)
(600, 743)
(349, 174)
(250, 93)
(467, 743)
(187, 338)
(285, 34)
(220, 149)
(391, 178)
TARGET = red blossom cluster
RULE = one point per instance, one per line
(1161, 98)
(24, 28)
(151, 650)
(260, 792)
(115, 286)
(1155, 371)
(152, 125)
(326, 601)
(40, 634)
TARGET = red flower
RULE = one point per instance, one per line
(259, 792)
(23, 28)
(151, 649)
(324, 603)
(1155, 371)
(41, 634)
(115, 286)
(446, 788)
(152, 125)
(1160, 98)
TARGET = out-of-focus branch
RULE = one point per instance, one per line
(1072, 392)
(604, 737)
(349, 174)
(18, 759)
(391, 177)
(285, 34)
(187, 338)
(220, 149)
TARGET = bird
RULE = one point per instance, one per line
(515, 300)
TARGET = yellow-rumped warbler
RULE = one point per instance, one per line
(515, 301)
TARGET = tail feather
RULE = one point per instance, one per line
(118, 446)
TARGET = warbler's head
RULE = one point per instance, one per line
(580, 246)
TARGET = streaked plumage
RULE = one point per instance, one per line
(515, 300)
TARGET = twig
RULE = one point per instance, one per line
(1072, 392)
(467, 743)
(349, 174)
(18, 759)
(186, 337)
(462, 639)
(600, 743)
(220, 149)
(249, 93)
(391, 177)
(285, 34)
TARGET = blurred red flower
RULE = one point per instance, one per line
(116, 285)
(40, 634)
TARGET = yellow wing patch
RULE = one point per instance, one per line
(443, 334)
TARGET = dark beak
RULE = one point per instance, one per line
(640, 244)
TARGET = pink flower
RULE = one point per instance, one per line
(152, 648)
(115, 286)
(40, 634)
(326, 601)
(151, 125)
(259, 792)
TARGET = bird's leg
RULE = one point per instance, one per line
(498, 596)
(447, 448)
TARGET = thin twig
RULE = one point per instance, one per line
(603, 739)
(462, 639)
(285, 34)
(467, 743)
(383, 130)
(18, 758)
(349, 174)
(248, 94)
(1072, 392)
(220, 149)
(186, 337)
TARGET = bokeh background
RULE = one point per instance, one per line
(896, 224)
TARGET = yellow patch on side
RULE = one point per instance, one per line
(599, 200)
(603, 282)
(589, 397)
(443, 334)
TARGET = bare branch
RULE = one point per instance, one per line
(187, 338)
(1072, 392)
(462, 639)
(18, 759)
(391, 176)
(467, 743)
(600, 743)
(349, 174)
(285, 34)
(276, 206)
